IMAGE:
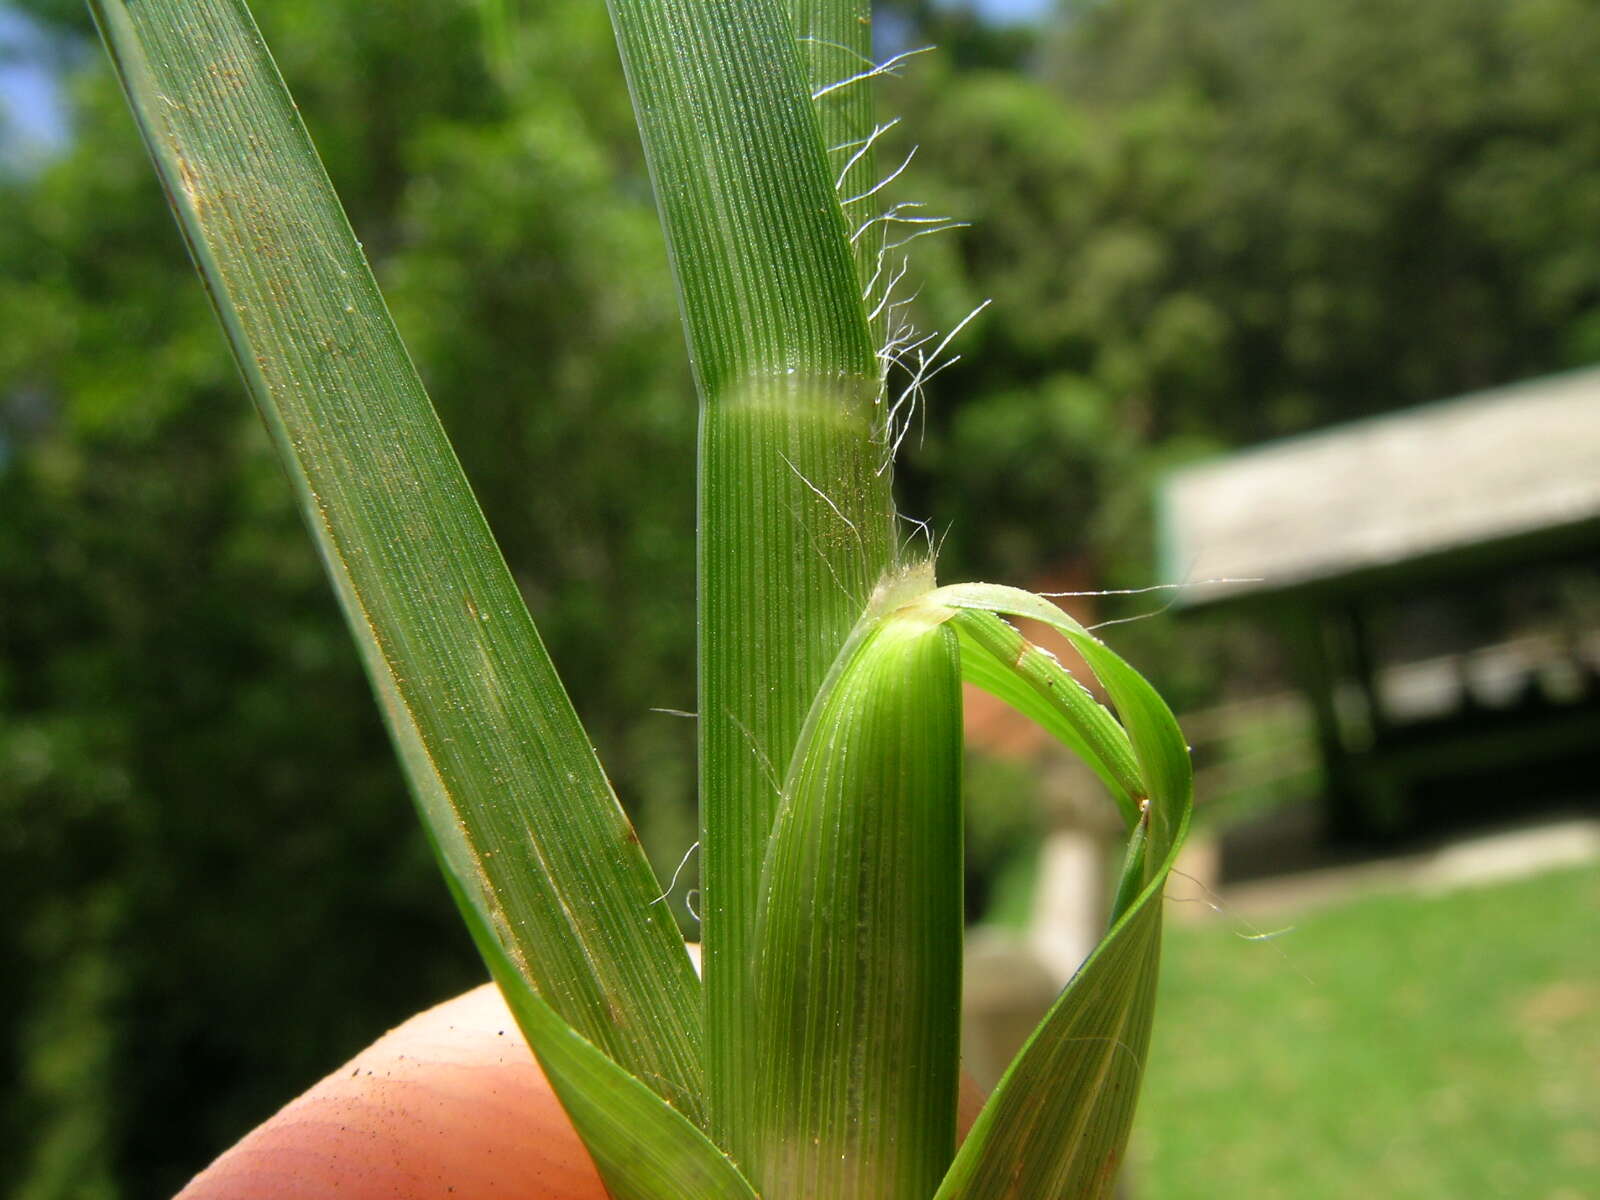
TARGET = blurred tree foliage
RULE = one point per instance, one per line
(1201, 225)
(1208, 224)
(216, 885)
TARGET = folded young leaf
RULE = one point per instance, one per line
(857, 975)
(997, 658)
(1057, 1125)
(508, 785)
(1158, 743)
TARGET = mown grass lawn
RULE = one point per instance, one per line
(1393, 1048)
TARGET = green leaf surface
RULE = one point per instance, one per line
(835, 38)
(509, 787)
(1135, 872)
(759, 244)
(996, 657)
(1057, 1124)
(796, 526)
(858, 967)
(1158, 744)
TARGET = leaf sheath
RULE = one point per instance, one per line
(796, 526)
(858, 973)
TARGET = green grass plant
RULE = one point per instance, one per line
(1399, 1045)
(819, 1058)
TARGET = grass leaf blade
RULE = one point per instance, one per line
(758, 241)
(1158, 743)
(1057, 1123)
(835, 39)
(643, 1148)
(509, 787)
(997, 658)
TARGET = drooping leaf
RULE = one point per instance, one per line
(514, 799)
(997, 658)
(858, 966)
(1057, 1124)
(1158, 743)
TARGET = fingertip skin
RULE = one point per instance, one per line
(451, 1103)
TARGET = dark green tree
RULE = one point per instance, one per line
(1206, 225)
(216, 886)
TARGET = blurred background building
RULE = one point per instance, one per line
(1205, 227)
(1435, 577)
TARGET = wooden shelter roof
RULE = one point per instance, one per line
(1489, 470)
